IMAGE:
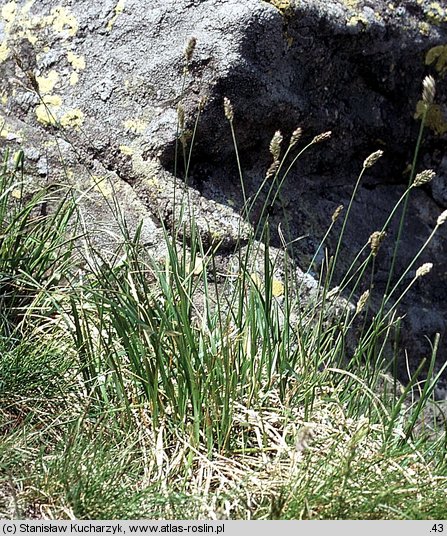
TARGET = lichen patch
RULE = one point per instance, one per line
(119, 8)
(103, 186)
(435, 118)
(437, 56)
(9, 11)
(4, 51)
(47, 83)
(74, 78)
(126, 150)
(72, 118)
(46, 111)
(63, 21)
(77, 62)
(135, 126)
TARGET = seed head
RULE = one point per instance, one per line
(198, 266)
(189, 48)
(362, 302)
(442, 218)
(337, 213)
(185, 137)
(429, 90)
(303, 438)
(272, 169)
(181, 116)
(372, 159)
(424, 269)
(296, 135)
(333, 292)
(424, 177)
(18, 160)
(202, 101)
(322, 137)
(228, 109)
(275, 145)
(375, 240)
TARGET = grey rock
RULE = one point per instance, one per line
(439, 186)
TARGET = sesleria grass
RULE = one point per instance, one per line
(153, 332)
(35, 247)
(197, 388)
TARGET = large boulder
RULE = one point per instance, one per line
(99, 83)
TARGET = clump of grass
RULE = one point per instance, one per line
(35, 248)
(177, 390)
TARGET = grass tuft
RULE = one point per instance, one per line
(173, 388)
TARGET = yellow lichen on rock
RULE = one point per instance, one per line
(435, 118)
(153, 182)
(8, 133)
(77, 62)
(63, 21)
(73, 118)
(16, 193)
(277, 288)
(282, 5)
(351, 4)
(285, 7)
(18, 19)
(4, 51)
(45, 112)
(126, 150)
(119, 8)
(357, 19)
(424, 28)
(148, 170)
(74, 78)
(47, 83)
(102, 185)
(436, 13)
(437, 56)
(136, 126)
(26, 8)
(9, 11)
(4, 131)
